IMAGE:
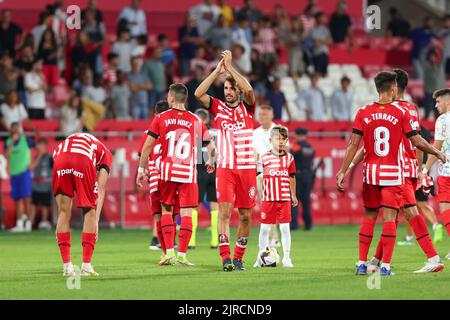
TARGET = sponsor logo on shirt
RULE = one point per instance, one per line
(72, 171)
(233, 126)
(278, 173)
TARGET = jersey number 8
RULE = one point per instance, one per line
(381, 135)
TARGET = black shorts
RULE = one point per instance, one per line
(206, 186)
(41, 198)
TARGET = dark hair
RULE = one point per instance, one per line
(161, 106)
(231, 80)
(52, 38)
(345, 78)
(281, 130)
(112, 55)
(402, 78)
(318, 15)
(393, 11)
(162, 37)
(441, 92)
(384, 80)
(266, 107)
(42, 140)
(179, 92)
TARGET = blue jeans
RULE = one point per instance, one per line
(139, 110)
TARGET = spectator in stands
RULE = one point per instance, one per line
(139, 85)
(9, 32)
(312, 100)
(421, 38)
(276, 98)
(70, 121)
(41, 197)
(24, 64)
(397, 25)
(340, 23)
(111, 69)
(268, 38)
(189, 39)
(444, 34)
(123, 48)
(12, 111)
(92, 6)
(133, 18)
(96, 91)
(191, 85)
(242, 34)
(320, 34)
(308, 16)
(120, 97)
(258, 76)
(17, 148)
(295, 39)
(206, 15)
(140, 47)
(38, 31)
(93, 114)
(48, 52)
(9, 75)
(434, 79)
(84, 52)
(281, 19)
(153, 69)
(250, 12)
(36, 87)
(94, 28)
(227, 12)
(168, 58)
(240, 61)
(341, 101)
(219, 35)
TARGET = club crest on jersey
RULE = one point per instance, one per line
(252, 192)
(263, 215)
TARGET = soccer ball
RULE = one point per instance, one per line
(269, 257)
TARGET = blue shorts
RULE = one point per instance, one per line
(21, 185)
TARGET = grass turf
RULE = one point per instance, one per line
(324, 269)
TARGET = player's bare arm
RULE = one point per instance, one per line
(423, 145)
(350, 153)
(356, 160)
(241, 81)
(293, 187)
(200, 92)
(102, 179)
(432, 158)
(146, 149)
(210, 164)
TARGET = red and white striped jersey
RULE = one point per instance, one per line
(85, 145)
(153, 162)
(411, 166)
(383, 127)
(234, 140)
(179, 133)
(277, 171)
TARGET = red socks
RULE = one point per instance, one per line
(379, 251)
(365, 238)
(168, 230)
(185, 233)
(63, 240)
(224, 247)
(88, 242)
(160, 236)
(423, 237)
(446, 220)
(239, 249)
(388, 235)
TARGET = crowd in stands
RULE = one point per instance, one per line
(127, 81)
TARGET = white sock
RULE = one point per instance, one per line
(286, 239)
(68, 264)
(435, 259)
(362, 262)
(409, 238)
(170, 251)
(264, 231)
(182, 254)
(87, 266)
(386, 265)
(435, 226)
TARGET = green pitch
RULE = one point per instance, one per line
(324, 258)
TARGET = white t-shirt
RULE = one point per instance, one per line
(123, 50)
(261, 140)
(203, 25)
(36, 100)
(11, 115)
(137, 20)
(442, 132)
